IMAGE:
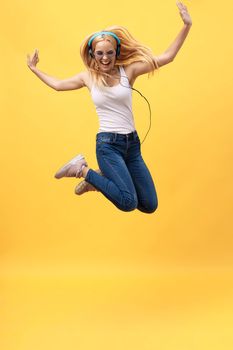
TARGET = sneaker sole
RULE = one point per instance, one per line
(83, 187)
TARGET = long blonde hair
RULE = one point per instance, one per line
(131, 51)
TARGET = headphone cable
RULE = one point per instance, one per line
(146, 101)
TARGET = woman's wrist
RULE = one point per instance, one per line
(187, 25)
(33, 69)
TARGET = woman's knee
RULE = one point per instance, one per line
(129, 203)
(149, 208)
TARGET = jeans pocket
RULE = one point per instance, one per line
(103, 141)
(109, 139)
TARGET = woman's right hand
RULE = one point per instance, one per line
(32, 61)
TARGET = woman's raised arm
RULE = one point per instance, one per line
(139, 68)
(73, 83)
(171, 52)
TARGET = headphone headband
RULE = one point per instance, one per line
(104, 33)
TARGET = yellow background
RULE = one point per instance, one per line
(76, 272)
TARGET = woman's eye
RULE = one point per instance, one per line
(100, 53)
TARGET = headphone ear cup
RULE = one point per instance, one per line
(90, 52)
(118, 50)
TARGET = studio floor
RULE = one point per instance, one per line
(170, 308)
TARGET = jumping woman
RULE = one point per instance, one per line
(114, 60)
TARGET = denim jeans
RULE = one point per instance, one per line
(126, 180)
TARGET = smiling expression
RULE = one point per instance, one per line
(105, 55)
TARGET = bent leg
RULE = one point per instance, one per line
(144, 185)
(116, 183)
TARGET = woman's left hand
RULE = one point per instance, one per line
(184, 13)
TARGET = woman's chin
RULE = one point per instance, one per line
(106, 66)
(106, 69)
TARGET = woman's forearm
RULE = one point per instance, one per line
(178, 42)
(48, 80)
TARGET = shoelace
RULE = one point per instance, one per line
(78, 173)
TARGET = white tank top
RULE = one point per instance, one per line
(114, 106)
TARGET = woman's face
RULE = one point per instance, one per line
(105, 55)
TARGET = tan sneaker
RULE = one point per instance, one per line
(84, 186)
(73, 168)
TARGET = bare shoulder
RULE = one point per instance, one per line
(133, 70)
(86, 76)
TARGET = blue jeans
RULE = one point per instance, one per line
(126, 180)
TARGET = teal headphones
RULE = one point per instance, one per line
(102, 34)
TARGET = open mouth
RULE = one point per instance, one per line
(105, 64)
